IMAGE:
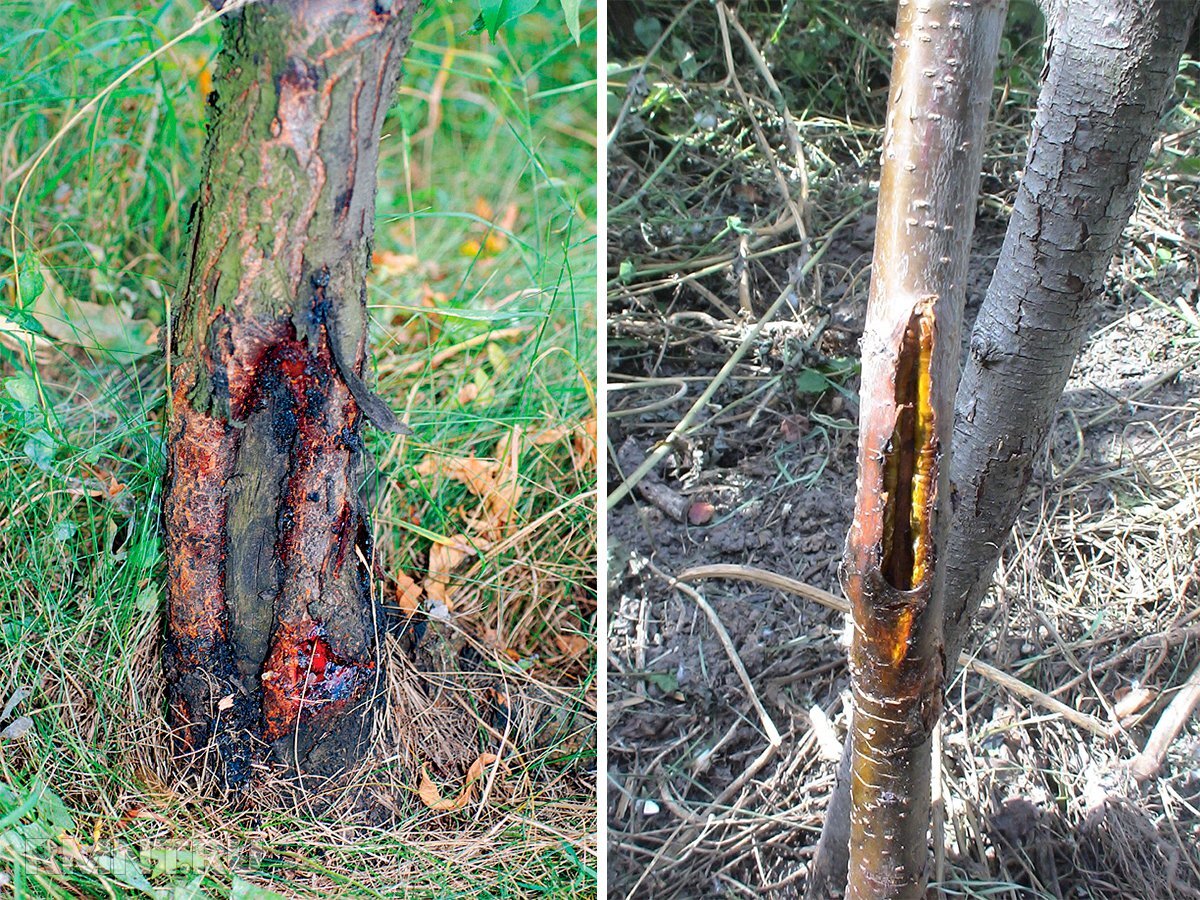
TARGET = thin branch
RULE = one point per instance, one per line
(834, 602)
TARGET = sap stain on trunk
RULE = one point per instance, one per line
(896, 657)
(272, 638)
(266, 513)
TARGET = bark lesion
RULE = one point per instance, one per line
(910, 459)
(273, 631)
(263, 512)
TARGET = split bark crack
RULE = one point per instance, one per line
(272, 635)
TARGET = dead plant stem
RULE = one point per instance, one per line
(685, 424)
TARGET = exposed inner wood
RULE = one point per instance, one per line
(911, 456)
(941, 86)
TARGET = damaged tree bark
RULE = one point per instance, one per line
(1110, 70)
(272, 633)
(932, 153)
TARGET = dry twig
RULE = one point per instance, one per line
(832, 601)
(1147, 763)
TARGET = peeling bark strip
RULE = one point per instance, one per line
(941, 87)
(272, 631)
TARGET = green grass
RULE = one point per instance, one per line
(492, 329)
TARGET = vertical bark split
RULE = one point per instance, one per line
(941, 88)
(1111, 67)
(272, 631)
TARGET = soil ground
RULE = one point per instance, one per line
(1096, 599)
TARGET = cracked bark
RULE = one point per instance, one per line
(941, 86)
(272, 633)
(1110, 70)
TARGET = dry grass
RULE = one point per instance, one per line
(1097, 598)
(482, 318)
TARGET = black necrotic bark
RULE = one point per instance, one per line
(272, 647)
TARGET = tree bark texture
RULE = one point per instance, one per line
(1111, 67)
(272, 632)
(942, 76)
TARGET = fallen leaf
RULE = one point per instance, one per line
(549, 435)
(432, 299)
(92, 326)
(583, 441)
(494, 481)
(432, 797)
(394, 264)
(496, 237)
(572, 645)
(793, 427)
(16, 728)
(408, 594)
(73, 846)
(479, 475)
(19, 696)
(483, 209)
(497, 358)
(584, 445)
(443, 560)
(509, 219)
(501, 501)
(468, 392)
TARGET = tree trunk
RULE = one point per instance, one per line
(941, 88)
(1110, 69)
(272, 633)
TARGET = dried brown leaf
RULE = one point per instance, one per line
(432, 797)
(443, 560)
(494, 481)
(550, 435)
(394, 264)
(584, 445)
(408, 594)
(572, 645)
(468, 392)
